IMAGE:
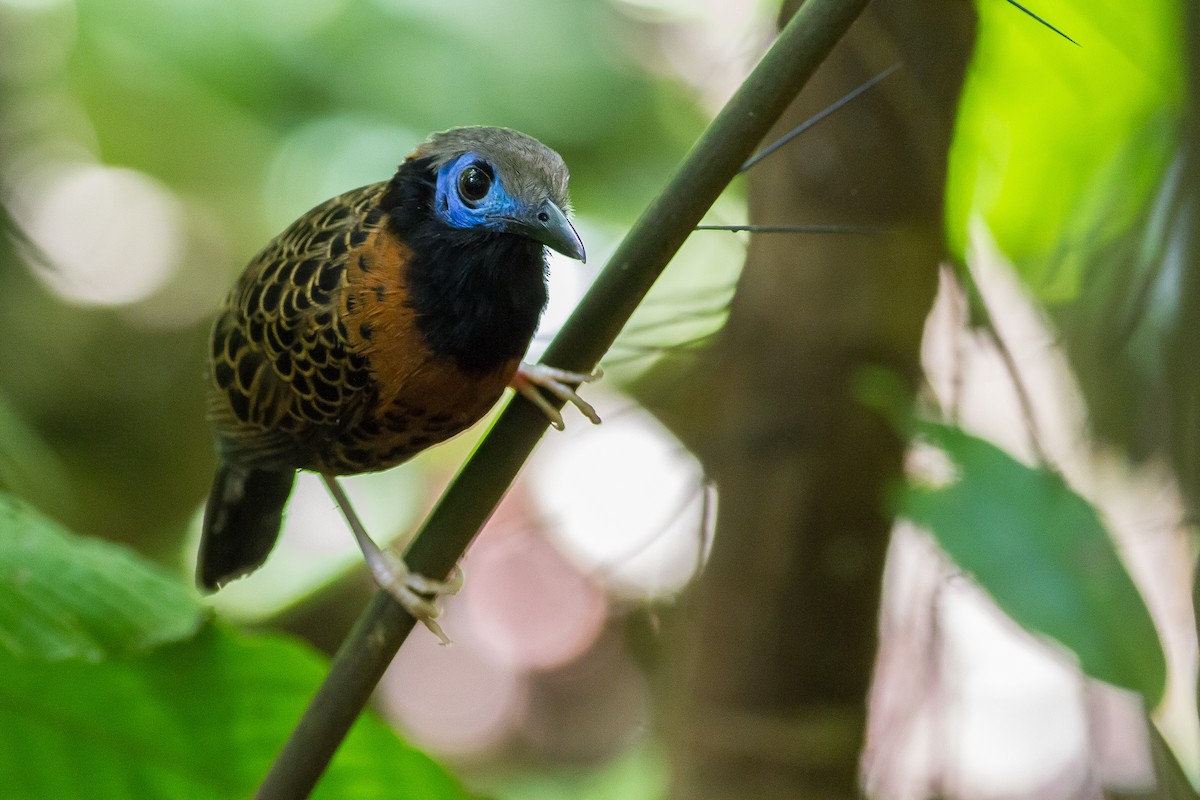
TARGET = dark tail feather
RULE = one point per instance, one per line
(241, 522)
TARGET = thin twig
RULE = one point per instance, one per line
(472, 496)
(1028, 415)
(707, 522)
(1044, 22)
(815, 118)
(792, 228)
(957, 299)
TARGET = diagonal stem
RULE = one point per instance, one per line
(654, 239)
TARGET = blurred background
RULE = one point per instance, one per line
(148, 148)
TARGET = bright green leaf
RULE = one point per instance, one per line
(1043, 554)
(1058, 147)
(198, 719)
(64, 596)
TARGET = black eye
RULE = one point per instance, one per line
(473, 184)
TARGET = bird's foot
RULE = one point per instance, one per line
(416, 593)
(531, 379)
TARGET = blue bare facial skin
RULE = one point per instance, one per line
(471, 194)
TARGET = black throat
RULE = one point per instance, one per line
(477, 294)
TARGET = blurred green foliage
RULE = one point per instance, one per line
(1069, 158)
(111, 686)
(1059, 147)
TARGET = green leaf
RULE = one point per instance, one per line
(1059, 147)
(1043, 554)
(197, 719)
(64, 596)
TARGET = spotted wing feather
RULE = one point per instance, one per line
(282, 375)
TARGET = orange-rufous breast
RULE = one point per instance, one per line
(421, 399)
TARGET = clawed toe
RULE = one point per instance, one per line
(531, 379)
(416, 593)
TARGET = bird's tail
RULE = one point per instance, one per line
(241, 522)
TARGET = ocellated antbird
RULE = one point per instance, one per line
(383, 321)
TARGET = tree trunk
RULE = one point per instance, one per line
(773, 661)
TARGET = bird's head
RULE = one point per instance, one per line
(501, 180)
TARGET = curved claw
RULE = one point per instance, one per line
(531, 379)
(417, 593)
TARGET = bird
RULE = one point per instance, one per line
(380, 323)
